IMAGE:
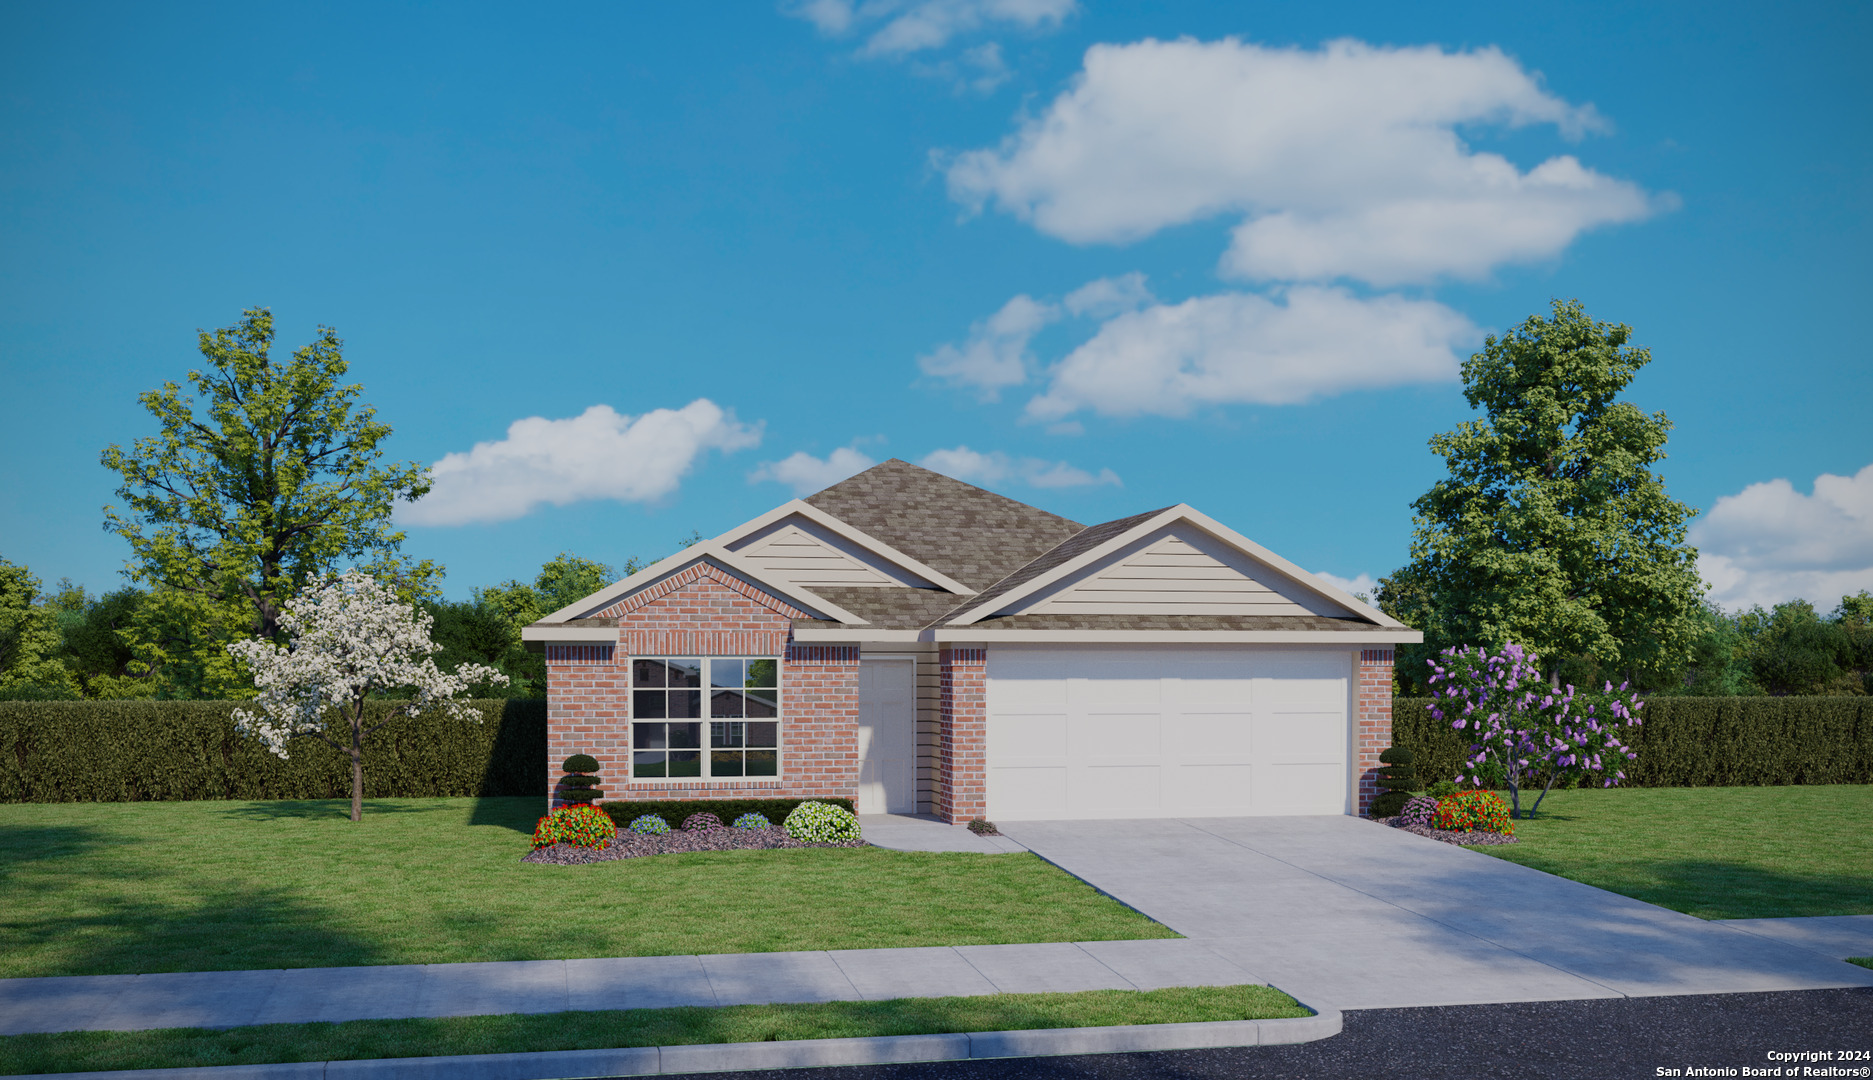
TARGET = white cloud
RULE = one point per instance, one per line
(1231, 348)
(1109, 296)
(996, 354)
(1341, 161)
(975, 467)
(1363, 585)
(806, 474)
(911, 26)
(599, 454)
(1770, 543)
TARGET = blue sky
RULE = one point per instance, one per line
(623, 271)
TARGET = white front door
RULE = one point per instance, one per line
(1167, 732)
(887, 736)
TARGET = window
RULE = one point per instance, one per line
(732, 700)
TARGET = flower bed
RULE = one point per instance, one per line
(632, 845)
(1448, 836)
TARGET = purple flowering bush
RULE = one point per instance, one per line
(1528, 734)
(1419, 810)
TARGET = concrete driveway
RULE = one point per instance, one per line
(1341, 911)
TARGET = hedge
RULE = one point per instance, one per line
(1700, 741)
(675, 811)
(129, 751)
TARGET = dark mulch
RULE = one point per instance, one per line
(630, 845)
(1448, 836)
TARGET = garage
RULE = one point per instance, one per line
(1143, 731)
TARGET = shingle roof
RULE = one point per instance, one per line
(1172, 622)
(1085, 540)
(974, 536)
(889, 609)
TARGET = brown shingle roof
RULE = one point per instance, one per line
(1172, 622)
(889, 609)
(1085, 540)
(974, 536)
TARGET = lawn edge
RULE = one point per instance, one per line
(804, 1053)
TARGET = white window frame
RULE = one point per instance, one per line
(704, 721)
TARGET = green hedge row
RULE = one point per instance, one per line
(130, 751)
(674, 811)
(1699, 741)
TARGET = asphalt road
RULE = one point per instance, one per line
(1602, 1039)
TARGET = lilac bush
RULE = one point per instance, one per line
(1419, 810)
(1529, 734)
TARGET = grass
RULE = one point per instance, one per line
(1863, 961)
(111, 888)
(1717, 853)
(76, 1051)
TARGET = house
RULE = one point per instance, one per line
(925, 646)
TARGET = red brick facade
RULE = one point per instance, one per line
(962, 790)
(705, 611)
(1372, 719)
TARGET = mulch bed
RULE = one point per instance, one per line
(630, 845)
(1449, 836)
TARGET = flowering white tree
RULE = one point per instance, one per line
(1528, 733)
(351, 638)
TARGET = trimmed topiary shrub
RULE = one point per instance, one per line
(1396, 782)
(582, 825)
(821, 823)
(1474, 811)
(752, 820)
(580, 784)
(649, 825)
(702, 822)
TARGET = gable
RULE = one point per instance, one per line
(799, 552)
(1178, 570)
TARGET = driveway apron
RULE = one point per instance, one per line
(1344, 912)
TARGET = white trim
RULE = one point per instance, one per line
(1351, 639)
(569, 633)
(682, 560)
(816, 635)
(1186, 513)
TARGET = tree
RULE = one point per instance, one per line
(29, 639)
(1551, 530)
(351, 638)
(97, 636)
(1527, 733)
(276, 481)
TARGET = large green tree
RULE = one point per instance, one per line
(270, 476)
(29, 639)
(1551, 530)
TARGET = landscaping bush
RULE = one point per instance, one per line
(1396, 782)
(133, 751)
(1474, 811)
(821, 823)
(649, 825)
(982, 827)
(702, 822)
(580, 784)
(1419, 810)
(724, 809)
(1700, 741)
(752, 820)
(582, 825)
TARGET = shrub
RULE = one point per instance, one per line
(752, 820)
(1419, 810)
(582, 825)
(623, 811)
(702, 822)
(649, 825)
(576, 788)
(1474, 811)
(821, 823)
(1396, 781)
(1443, 789)
(984, 828)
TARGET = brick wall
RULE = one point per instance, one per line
(1372, 704)
(705, 611)
(962, 793)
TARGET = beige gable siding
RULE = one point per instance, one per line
(800, 553)
(1181, 572)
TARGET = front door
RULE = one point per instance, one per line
(887, 737)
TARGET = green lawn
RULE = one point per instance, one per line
(1717, 853)
(107, 888)
(364, 1039)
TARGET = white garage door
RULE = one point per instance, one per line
(1090, 733)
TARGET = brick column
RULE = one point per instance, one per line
(963, 753)
(1373, 717)
(587, 712)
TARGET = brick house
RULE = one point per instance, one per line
(925, 646)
